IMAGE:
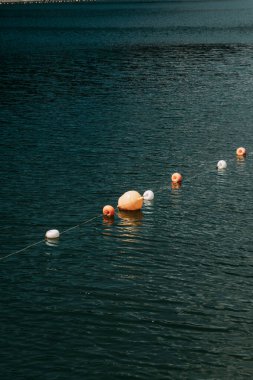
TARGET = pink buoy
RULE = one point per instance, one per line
(241, 152)
(108, 211)
(176, 178)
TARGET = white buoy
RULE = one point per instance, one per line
(52, 234)
(221, 164)
(148, 195)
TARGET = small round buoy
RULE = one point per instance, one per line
(221, 165)
(52, 234)
(241, 151)
(176, 178)
(108, 211)
(130, 201)
(148, 195)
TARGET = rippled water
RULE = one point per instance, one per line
(98, 99)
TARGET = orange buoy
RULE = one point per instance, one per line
(108, 211)
(241, 151)
(52, 234)
(130, 201)
(176, 178)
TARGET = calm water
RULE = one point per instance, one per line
(98, 99)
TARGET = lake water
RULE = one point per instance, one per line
(98, 99)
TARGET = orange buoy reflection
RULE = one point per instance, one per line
(240, 159)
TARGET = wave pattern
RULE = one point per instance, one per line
(162, 293)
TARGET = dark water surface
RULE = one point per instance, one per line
(98, 99)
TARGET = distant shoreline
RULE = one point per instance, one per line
(11, 2)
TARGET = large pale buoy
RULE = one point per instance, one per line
(176, 178)
(241, 152)
(130, 217)
(130, 201)
(148, 195)
(52, 234)
(108, 211)
(221, 165)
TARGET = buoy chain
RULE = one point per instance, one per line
(130, 200)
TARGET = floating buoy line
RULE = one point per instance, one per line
(130, 201)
